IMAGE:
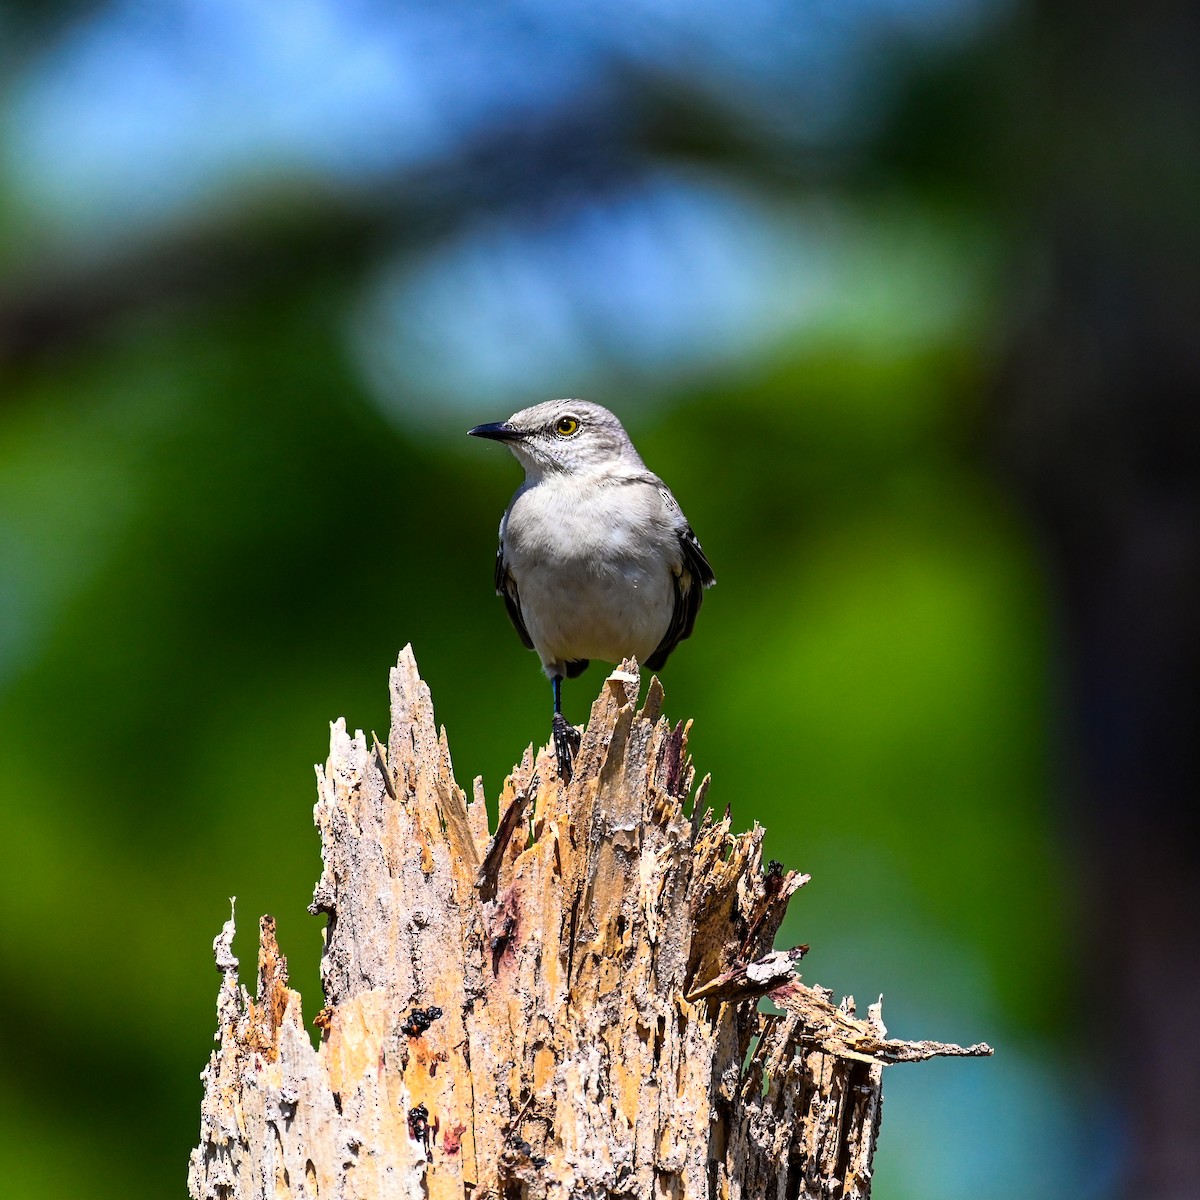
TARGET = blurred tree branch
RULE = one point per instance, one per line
(307, 234)
(69, 303)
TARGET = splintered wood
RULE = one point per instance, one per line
(568, 1008)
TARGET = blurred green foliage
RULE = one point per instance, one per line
(223, 546)
(215, 539)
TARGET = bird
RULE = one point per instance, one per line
(596, 559)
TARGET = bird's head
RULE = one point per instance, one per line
(569, 436)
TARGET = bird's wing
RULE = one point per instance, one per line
(506, 586)
(694, 575)
(694, 560)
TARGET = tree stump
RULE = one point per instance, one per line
(566, 1008)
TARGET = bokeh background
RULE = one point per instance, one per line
(901, 298)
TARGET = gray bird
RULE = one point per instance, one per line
(596, 558)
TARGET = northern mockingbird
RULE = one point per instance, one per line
(596, 558)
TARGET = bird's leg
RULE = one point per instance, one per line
(566, 737)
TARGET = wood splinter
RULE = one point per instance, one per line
(566, 1009)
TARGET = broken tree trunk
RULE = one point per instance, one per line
(568, 1008)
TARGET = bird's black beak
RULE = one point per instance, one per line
(499, 432)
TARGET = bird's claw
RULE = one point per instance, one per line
(566, 746)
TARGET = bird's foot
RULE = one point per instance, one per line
(566, 746)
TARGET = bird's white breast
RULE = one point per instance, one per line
(593, 561)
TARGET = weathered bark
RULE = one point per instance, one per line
(569, 1008)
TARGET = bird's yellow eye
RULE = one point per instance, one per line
(566, 426)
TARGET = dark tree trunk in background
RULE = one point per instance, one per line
(1101, 403)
